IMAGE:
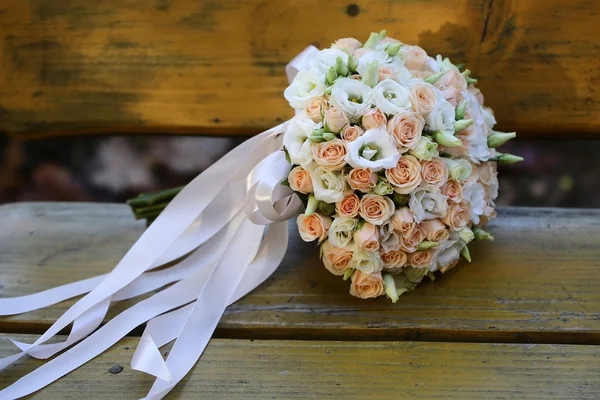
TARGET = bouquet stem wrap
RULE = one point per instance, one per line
(229, 222)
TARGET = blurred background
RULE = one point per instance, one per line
(555, 173)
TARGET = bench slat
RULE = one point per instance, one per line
(218, 66)
(242, 369)
(538, 281)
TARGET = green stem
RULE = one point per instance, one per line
(149, 199)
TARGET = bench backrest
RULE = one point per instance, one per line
(217, 66)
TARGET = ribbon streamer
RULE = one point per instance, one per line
(214, 232)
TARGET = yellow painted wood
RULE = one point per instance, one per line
(217, 66)
(538, 281)
(242, 369)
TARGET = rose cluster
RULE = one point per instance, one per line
(393, 154)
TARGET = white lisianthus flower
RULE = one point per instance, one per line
(352, 96)
(325, 59)
(391, 97)
(448, 252)
(478, 147)
(341, 232)
(305, 86)
(381, 57)
(488, 117)
(366, 261)
(441, 118)
(478, 150)
(388, 237)
(375, 149)
(295, 139)
(328, 186)
(474, 194)
(427, 204)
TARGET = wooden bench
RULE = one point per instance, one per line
(522, 321)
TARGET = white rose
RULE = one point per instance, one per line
(474, 194)
(325, 59)
(305, 86)
(352, 96)
(427, 204)
(442, 117)
(295, 139)
(328, 186)
(391, 97)
(366, 261)
(375, 149)
(341, 231)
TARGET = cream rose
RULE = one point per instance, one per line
(427, 204)
(435, 230)
(376, 209)
(406, 175)
(335, 119)
(300, 181)
(367, 237)
(335, 259)
(341, 231)
(348, 45)
(373, 118)
(434, 172)
(315, 107)
(348, 206)
(421, 259)
(351, 133)
(366, 286)
(411, 241)
(394, 259)
(457, 216)
(362, 179)
(425, 149)
(366, 261)
(328, 186)
(406, 128)
(423, 97)
(403, 221)
(313, 226)
(453, 190)
(330, 155)
(415, 58)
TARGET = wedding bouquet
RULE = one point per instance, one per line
(391, 161)
(393, 153)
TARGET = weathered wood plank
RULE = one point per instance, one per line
(242, 369)
(538, 281)
(218, 66)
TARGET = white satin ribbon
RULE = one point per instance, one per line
(217, 222)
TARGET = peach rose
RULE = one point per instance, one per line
(366, 286)
(410, 241)
(315, 107)
(456, 151)
(453, 190)
(348, 206)
(330, 155)
(423, 98)
(358, 53)
(313, 226)
(406, 129)
(457, 216)
(336, 260)
(434, 172)
(403, 221)
(422, 74)
(394, 259)
(351, 133)
(373, 118)
(376, 209)
(477, 93)
(300, 180)
(347, 45)
(362, 179)
(452, 78)
(336, 119)
(421, 259)
(487, 173)
(406, 175)
(435, 230)
(415, 58)
(367, 237)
